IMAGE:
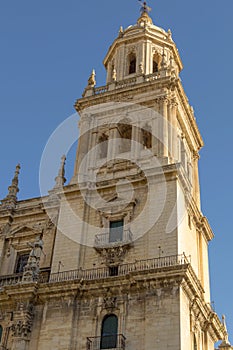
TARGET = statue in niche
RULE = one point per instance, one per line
(32, 269)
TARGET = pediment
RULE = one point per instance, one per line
(23, 230)
(115, 204)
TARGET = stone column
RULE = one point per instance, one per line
(174, 145)
(164, 127)
(93, 149)
(196, 184)
(155, 131)
(112, 143)
(83, 144)
(136, 142)
(170, 131)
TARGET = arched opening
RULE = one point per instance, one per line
(146, 137)
(132, 63)
(1, 331)
(155, 67)
(125, 134)
(156, 62)
(109, 332)
(103, 145)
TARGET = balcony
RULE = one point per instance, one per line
(106, 240)
(123, 269)
(16, 278)
(103, 272)
(10, 280)
(116, 342)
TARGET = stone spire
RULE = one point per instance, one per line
(9, 202)
(60, 179)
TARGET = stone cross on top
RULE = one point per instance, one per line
(144, 7)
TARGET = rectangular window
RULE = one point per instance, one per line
(116, 231)
(21, 262)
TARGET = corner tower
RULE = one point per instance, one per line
(140, 233)
(118, 258)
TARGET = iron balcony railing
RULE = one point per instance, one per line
(105, 239)
(115, 341)
(124, 269)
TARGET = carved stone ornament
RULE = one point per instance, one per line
(21, 329)
(22, 323)
(109, 303)
(113, 255)
(131, 50)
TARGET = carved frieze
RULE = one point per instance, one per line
(22, 320)
(113, 255)
(110, 303)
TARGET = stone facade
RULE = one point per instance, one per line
(118, 258)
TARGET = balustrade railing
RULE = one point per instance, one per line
(10, 280)
(153, 76)
(105, 239)
(103, 272)
(101, 90)
(115, 341)
(124, 269)
(127, 82)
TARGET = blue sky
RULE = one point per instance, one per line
(48, 49)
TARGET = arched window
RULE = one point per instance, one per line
(103, 144)
(155, 67)
(157, 58)
(147, 137)
(1, 331)
(125, 133)
(109, 332)
(132, 63)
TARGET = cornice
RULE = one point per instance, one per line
(189, 114)
(120, 94)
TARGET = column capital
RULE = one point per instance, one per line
(196, 155)
(163, 99)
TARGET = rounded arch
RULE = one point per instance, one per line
(132, 63)
(146, 136)
(125, 134)
(156, 62)
(109, 330)
(103, 144)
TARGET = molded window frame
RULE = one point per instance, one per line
(21, 256)
(109, 337)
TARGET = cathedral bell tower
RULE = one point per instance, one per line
(130, 221)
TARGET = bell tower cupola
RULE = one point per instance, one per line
(142, 49)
